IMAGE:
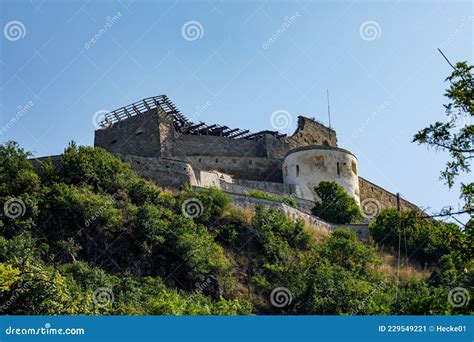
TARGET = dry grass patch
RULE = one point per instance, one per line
(407, 271)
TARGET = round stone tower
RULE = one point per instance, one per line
(306, 166)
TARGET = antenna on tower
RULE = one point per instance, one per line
(329, 115)
(329, 108)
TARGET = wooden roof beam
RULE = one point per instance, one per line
(239, 134)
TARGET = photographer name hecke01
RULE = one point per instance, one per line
(423, 328)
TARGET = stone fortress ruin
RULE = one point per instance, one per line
(163, 145)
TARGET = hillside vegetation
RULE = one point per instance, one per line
(89, 236)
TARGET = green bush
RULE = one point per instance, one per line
(287, 199)
(170, 302)
(346, 250)
(424, 239)
(17, 175)
(336, 205)
(205, 205)
(96, 167)
(144, 192)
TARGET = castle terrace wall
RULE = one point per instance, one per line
(302, 204)
(383, 198)
(166, 173)
(138, 135)
(251, 168)
(241, 201)
(207, 179)
(272, 187)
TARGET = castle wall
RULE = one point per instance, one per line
(309, 132)
(272, 187)
(373, 195)
(138, 135)
(242, 201)
(310, 221)
(166, 173)
(251, 168)
(204, 145)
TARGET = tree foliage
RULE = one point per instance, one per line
(456, 135)
(335, 204)
(95, 238)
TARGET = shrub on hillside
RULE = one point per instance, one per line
(335, 204)
(426, 240)
(204, 206)
(96, 167)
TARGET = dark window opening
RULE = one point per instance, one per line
(216, 160)
(354, 167)
(199, 160)
(338, 169)
(113, 141)
(297, 170)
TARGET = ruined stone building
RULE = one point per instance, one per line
(163, 145)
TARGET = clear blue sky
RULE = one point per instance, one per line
(385, 81)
